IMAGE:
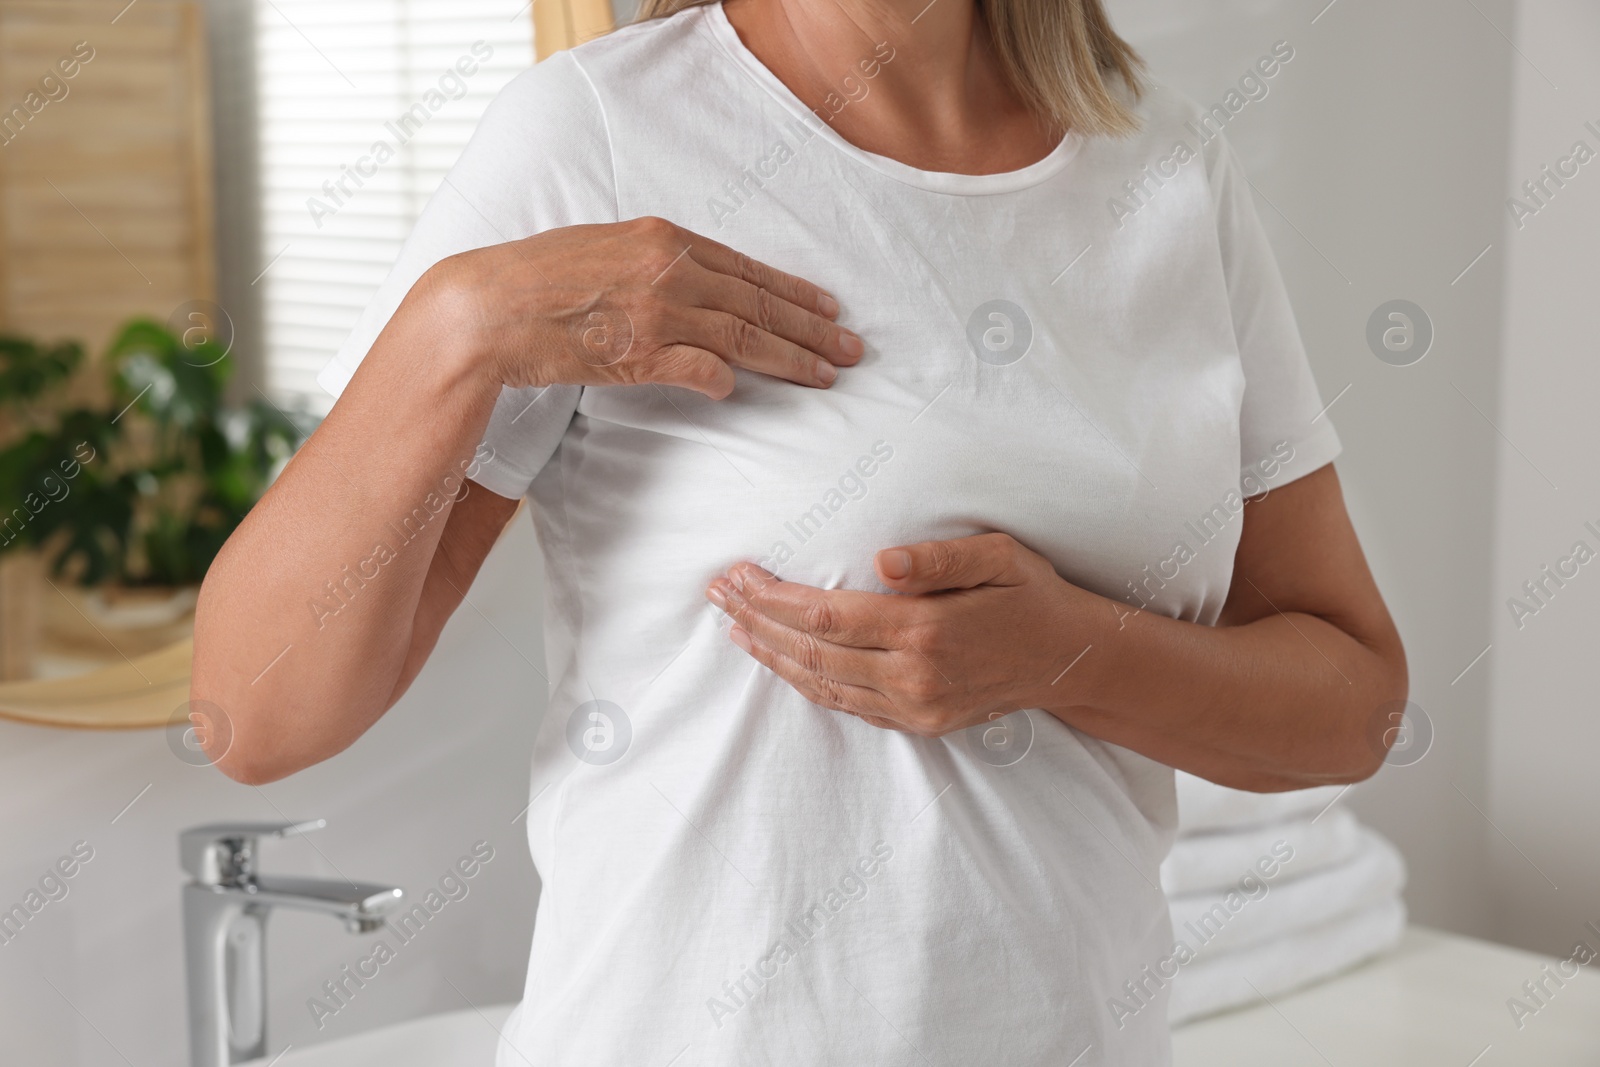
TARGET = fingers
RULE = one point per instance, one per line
(931, 566)
(695, 368)
(769, 310)
(724, 260)
(699, 294)
(815, 655)
(743, 344)
(819, 689)
(838, 616)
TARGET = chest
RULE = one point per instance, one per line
(1029, 369)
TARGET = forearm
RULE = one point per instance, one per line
(1286, 701)
(306, 618)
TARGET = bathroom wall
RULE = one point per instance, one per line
(1544, 740)
(96, 978)
(1378, 155)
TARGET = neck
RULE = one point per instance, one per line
(912, 80)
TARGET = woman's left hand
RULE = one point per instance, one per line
(988, 628)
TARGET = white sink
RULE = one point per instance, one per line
(1436, 1001)
(457, 1039)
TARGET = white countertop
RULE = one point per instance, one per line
(1438, 1000)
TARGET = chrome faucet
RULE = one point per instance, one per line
(225, 910)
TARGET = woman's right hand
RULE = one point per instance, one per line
(629, 303)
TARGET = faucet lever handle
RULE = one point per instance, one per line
(224, 853)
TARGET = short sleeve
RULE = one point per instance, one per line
(539, 159)
(1284, 432)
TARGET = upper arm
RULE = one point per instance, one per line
(1298, 553)
(474, 524)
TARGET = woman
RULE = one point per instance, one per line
(866, 322)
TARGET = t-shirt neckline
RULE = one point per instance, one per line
(727, 37)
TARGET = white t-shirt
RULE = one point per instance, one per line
(732, 875)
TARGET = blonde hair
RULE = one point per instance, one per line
(1059, 55)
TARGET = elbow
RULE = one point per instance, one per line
(231, 732)
(254, 742)
(1390, 733)
(1360, 767)
(255, 737)
(1352, 767)
(249, 768)
(1380, 728)
(246, 773)
(1356, 738)
(1395, 731)
(1386, 728)
(233, 745)
(1375, 724)
(234, 725)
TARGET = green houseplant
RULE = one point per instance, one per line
(139, 488)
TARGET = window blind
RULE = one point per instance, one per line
(363, 107)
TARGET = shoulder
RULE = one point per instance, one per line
(641, 52)
(1178, 141)
(551, 105)
(542, 147)
(558, 108)
(1169, 118)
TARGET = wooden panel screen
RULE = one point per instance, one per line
(105, 170)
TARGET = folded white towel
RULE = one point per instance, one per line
(1233, 979)
(1201, 863)
(1205, 806)
(1258, 910)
